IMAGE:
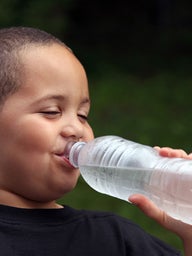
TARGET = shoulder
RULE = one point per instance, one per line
(122, 233)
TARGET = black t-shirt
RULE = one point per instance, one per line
(70, 232)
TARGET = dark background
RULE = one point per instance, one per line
(137, 55)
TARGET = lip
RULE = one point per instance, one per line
(63, 155)
(64, 161)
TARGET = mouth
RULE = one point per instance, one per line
(64, 160)
(65, 154)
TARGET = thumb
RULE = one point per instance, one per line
(183, 230)
(149, 208)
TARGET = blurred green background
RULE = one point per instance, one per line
(137, 55)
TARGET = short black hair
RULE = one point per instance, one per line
(12, 41)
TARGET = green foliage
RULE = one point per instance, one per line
(154, 111)
(49, 15)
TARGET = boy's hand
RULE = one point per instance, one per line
(169, 152)
(151, 210)
(184, 231)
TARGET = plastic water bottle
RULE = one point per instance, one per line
(120, 168)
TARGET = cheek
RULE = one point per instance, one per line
(89, 134)
(34, 136)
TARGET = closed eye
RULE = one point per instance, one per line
(84, 117)
(51, 114)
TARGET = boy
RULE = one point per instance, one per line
(44, 105)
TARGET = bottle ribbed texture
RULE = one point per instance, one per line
(120, 168)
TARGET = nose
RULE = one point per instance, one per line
(73, 129)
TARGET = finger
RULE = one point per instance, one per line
(190, 156)
(169, 152)
(164, 151)
(148, 207)
(152, 211)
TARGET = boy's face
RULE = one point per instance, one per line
(38, 120)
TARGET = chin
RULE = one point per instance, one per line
(63, 189)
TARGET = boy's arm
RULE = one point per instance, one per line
(184, 231)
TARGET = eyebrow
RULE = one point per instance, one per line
(59, 97)
(51, 97)
(86, 101)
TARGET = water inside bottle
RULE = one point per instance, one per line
(118, 182)
(122, 182)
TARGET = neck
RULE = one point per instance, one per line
(14, 200)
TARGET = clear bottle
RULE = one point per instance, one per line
(120, 168)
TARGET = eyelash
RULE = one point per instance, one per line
(83, 117)
(53, 113)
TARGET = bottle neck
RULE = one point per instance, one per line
(74, 153)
